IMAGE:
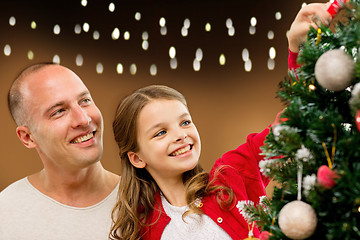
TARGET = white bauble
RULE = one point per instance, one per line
(297, 220)
(334, 70)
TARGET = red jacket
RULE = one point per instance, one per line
(292, 64)
(246, 181)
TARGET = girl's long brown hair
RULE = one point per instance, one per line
(137, 188)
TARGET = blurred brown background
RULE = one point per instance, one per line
(227, 101)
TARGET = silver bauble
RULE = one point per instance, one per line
(297, 220)
(334, 70)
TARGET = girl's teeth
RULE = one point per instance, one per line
(181, 151)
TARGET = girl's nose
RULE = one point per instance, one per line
(181, 137)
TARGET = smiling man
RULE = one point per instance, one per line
(73, 195)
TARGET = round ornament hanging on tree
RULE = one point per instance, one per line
(326, 177)
(334, 70)
(357, 119)
(297, 220)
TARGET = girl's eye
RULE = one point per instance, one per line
(162, 132)
(186, 122)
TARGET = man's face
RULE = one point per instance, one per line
(65, 125)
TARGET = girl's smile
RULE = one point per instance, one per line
(181, 151)
(169, 143)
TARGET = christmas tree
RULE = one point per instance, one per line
(314, 153)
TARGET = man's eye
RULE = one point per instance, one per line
(58, 112)
(86, 100)
(162, 132)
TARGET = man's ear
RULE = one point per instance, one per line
(135, 160)
(25, 137)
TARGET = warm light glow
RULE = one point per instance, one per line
(84, 3)
(153, 70)
(137, 16)
(271, 64)
(231, 31)
(126, 35)
(252, 30)
(33, 25)
(172, 52)
(270, 35)
(187, 23)
(77, 29)
(111, 7)
(222, 59)
(12, 21)
(208, 27)
(96, 35)
(115, 34)
(253, 21)
(245, 54)
(278, 15)
(79, 60)
(99, 68)
(145, 45)
(163, 30)
(173, 63)
(272, 53)
(196, 65)
(199, 54)
(312, 87)
(229, 23)
(303, 4)
(133, 69)
(184, 31)
(56, 59)
(145, 35)
(119, 68)
(248, 65)
(86, 27)
(359, 209)
(30, 55)
(162, 22)
(56, 29)
(7, 50)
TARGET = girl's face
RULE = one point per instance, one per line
(169, 143)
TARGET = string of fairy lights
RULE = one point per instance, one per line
(145, 45)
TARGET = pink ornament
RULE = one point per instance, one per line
(326, 177)
(357, 119)
(264, 235)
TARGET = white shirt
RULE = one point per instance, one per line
(195, 226)
(28, 214)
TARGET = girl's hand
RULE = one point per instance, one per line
(310, 15)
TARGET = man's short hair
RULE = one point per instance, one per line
(15, 95)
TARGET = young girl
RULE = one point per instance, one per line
(164, 193)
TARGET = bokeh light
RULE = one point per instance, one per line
(99, 68)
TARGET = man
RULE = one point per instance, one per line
(73, 195)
